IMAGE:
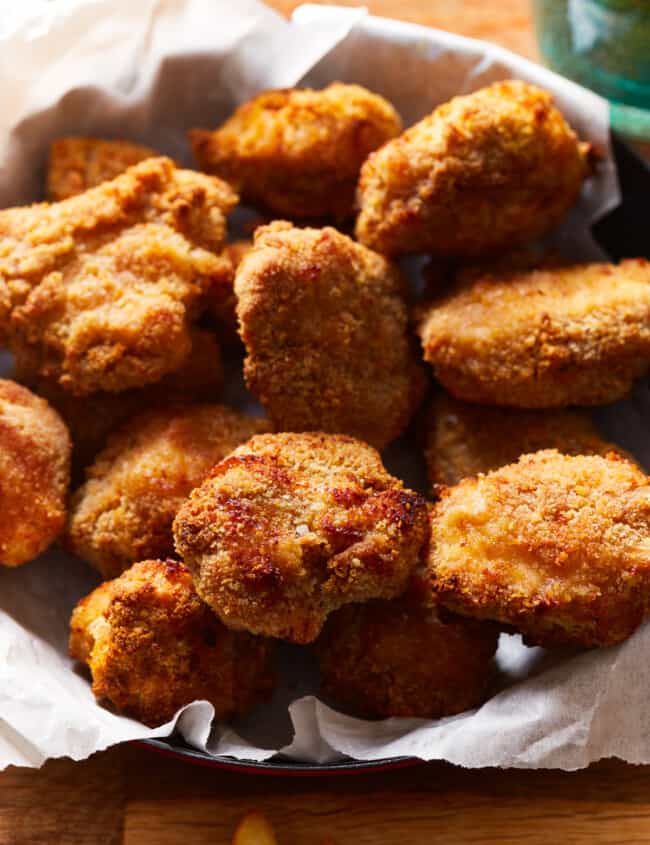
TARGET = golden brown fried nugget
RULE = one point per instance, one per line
(153, 646)
(293, 526)
(91, 419)
(124, 511)
(326, 331)
(34, 474)
(298, 152)
(78, 163)
(99, 292)
(405, 657)
(463, 439)
(575, 335)
(479, 175)
(557, 546)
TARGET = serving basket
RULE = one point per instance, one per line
(623, 232)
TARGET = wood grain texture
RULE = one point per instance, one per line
(506, 22)
(135, 797)
(428, 804)
(131, 796)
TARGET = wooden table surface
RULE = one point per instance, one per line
(133, 796)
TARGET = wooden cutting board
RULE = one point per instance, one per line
(130, 795)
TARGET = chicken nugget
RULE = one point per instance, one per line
(34, 474)
(99, 291)
(153, 646)
(556, 546)
(481, 174)
(91, 419)
(125, 509)
(325, 326)
(298, 152)
(77, 163)
(293, 526)
(463, 439)
(405, 657)
(575, 335)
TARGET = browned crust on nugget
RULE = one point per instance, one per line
(292, 526)
(78, 163)
(125, 509)
(298, 152)
(481, 174)
(325, 326)
(100, 290)
(405, 658)
(34, 474)
(575, 335)
(153, 646)
(557, 546)
(463, 439)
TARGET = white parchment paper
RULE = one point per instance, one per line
(149, 70)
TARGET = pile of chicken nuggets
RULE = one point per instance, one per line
(221, 533)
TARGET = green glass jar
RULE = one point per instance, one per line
(604, 45)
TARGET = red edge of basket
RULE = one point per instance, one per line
(281, 769)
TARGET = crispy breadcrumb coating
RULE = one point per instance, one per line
(463, 439)
(34, 474)
(125, 509)
(479, 175)
(405, 657)
(293, 526)
(153, 646)
(99, 291)
(325, 326)
(575, 335)
(78, 163)
(557, 546)
(298, 152)
(91, 419)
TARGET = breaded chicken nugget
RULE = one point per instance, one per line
(153, 646)
(78, 163)
(124, 511)
(479, 175)
(406, 657)
(575, 335)
(463, 439)
(99, 291)
(557, 546)
(293, 526)
(326, 331)
(298, 152)
(34, 474)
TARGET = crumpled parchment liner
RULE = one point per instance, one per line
(149, 71)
